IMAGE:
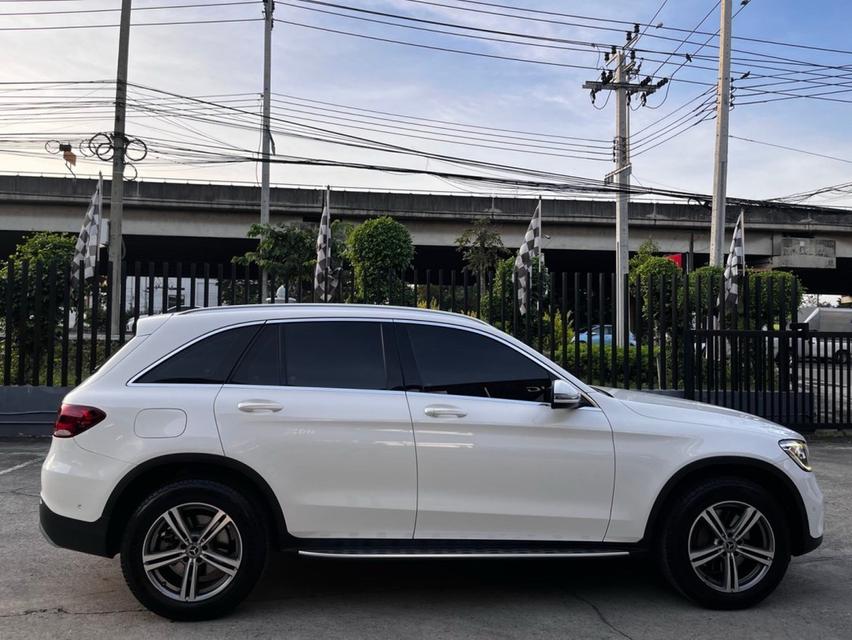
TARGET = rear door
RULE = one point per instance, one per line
(317, 408)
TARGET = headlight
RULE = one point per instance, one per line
(798, 451)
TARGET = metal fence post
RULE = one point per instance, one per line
(688, 363)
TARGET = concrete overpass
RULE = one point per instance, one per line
(208, 223)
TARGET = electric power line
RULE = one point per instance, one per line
(786, 148)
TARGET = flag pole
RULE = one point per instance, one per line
(97, 282)
(100, 216)
(328, 243)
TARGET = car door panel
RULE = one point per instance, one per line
(306, 410)
(494, 459)
(511, 470)
(341, 461)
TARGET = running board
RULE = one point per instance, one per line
(390, 554)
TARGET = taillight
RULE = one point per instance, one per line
(74, 419)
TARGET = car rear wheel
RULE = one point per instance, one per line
(193, 550)
(725, 544)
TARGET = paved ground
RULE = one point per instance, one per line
(50, 593)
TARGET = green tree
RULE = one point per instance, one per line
(284, 251)
(481, 246)
(48, 248)
(786, 295)
(380, 250)
(648, 273)
(288, 252)
(783, 288)
(647, 265)
(501, 299)
(42, 252)
(703, 291)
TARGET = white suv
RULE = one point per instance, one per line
(216, 435)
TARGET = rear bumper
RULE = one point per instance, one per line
(77, 535)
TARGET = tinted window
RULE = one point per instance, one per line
(208, 361)
(464, 363)
(261, 363)
(340, 355)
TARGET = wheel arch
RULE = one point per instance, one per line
(763, 473)
(151, 474)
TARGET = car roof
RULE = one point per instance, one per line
(250, 312)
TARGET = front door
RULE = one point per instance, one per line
(316, 408)
(494, 460)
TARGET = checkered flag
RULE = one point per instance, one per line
(736, 262)
(529, 251)
(86, 249)
(325, 278)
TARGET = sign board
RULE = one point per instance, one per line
(804, 253)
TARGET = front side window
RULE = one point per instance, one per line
(459, 362)
(337, 355)
(208, 361)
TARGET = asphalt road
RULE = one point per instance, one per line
(51, 593)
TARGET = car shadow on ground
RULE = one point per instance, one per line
(456, 580)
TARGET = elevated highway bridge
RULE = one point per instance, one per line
(194, 222)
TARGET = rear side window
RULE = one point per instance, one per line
(208, 361)
(464, 363)
(261, 364)
(337, 355)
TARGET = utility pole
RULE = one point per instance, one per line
(622, 198)
(119, 146)
(619, 82)
(720, 171)
(268, 9)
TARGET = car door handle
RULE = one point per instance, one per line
(259, 406)
(444, 411)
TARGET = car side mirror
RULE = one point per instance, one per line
(565, 395)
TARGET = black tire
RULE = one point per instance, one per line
(841, 356)
(684, 525)
(245, 538)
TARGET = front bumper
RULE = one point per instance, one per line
(809, 543)
(77, 535)
(812, 508)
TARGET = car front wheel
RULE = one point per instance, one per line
(725, 544)
(193, 550)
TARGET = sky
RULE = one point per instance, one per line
(324, 78)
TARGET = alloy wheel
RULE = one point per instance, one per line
(192, 552)
(731, 546)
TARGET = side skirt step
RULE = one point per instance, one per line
(473, 552)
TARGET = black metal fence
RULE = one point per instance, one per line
(796, 377)
(680, 337)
